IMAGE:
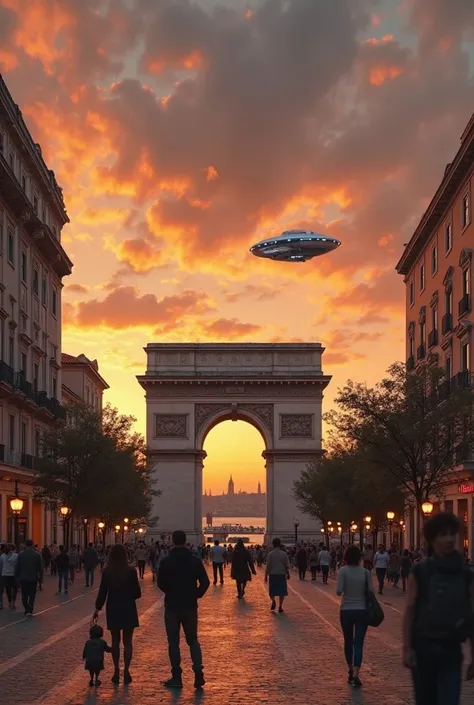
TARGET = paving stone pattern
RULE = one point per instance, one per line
(251, 655)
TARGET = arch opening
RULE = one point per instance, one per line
(234, 486)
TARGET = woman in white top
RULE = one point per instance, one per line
(7, 568)
(353, 583)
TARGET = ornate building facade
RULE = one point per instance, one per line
(437, 270)
(32, 266)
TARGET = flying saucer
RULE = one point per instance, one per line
(295, 246)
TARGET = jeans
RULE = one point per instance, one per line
(62, 580)
(380, 572)
(11, 587)
(89, 576)
(325, 572)
(188, 619)
(72, 571)
(314, 570)
(218, 567)
(302, 573)
(437, 676)
(354, 627)
(28, 594)
(141, 568)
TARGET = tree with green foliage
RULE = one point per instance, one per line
(95, 464)
(413, 427)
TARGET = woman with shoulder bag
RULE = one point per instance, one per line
(355, 586)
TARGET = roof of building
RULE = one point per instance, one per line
(83, 361)
(454, 175)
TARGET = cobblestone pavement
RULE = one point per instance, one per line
(251, 654)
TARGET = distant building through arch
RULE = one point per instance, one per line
(192, 387)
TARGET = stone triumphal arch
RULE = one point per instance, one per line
(192, 387)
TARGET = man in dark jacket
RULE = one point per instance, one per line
(183, 579)
(62, 564)
(91, 561)
(28, 572)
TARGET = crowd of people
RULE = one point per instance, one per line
(438, 582)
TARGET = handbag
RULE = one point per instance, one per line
(375, 613)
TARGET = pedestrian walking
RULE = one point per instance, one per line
(119, 589)
(277, 573)
(93, 654)
(439, 616)
(28, 572)
(183, 579)
(73, 555)
(324, 562)
(369, 557)
(141, 554)
(302, 562)
(314, 563)
(90, 561)
(8, 561)
(406, 563)
(242, 568)
(46, 556)
(353, 583)
(218, 557)
(394, 567)
(381, 561)
(62, 567)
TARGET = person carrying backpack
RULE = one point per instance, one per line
(439, 616)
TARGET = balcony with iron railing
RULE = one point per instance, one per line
(447, 323)
(432, 338)
(19, 385)
(420, 352)
(410, 363)
(18, 459)
(464, 305)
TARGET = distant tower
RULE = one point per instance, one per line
(259, 489)
(230, 487)
(210, 493)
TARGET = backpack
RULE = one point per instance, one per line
(444, 610)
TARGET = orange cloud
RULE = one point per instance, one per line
(379, 74)
(125, 308)
(229, 329)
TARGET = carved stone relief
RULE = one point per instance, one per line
(268, 391)
(204, 412)
(171, 425)
(296, 425)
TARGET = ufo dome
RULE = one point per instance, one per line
(295, 246)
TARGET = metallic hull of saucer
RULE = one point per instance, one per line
(295, 246)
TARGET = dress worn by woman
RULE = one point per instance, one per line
(277, 571)
(242, 569)
(121, 609)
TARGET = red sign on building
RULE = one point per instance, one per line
(466, 489)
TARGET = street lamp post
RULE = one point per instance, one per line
(390, 517)
(402, 538)
(367, 520)
(101, 527)
(65, 512)
(117, 530)
(85, 521)
(296, 523)
(16, 505)
(353, 530)
(124, 528)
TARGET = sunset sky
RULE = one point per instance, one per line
(182, 132)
